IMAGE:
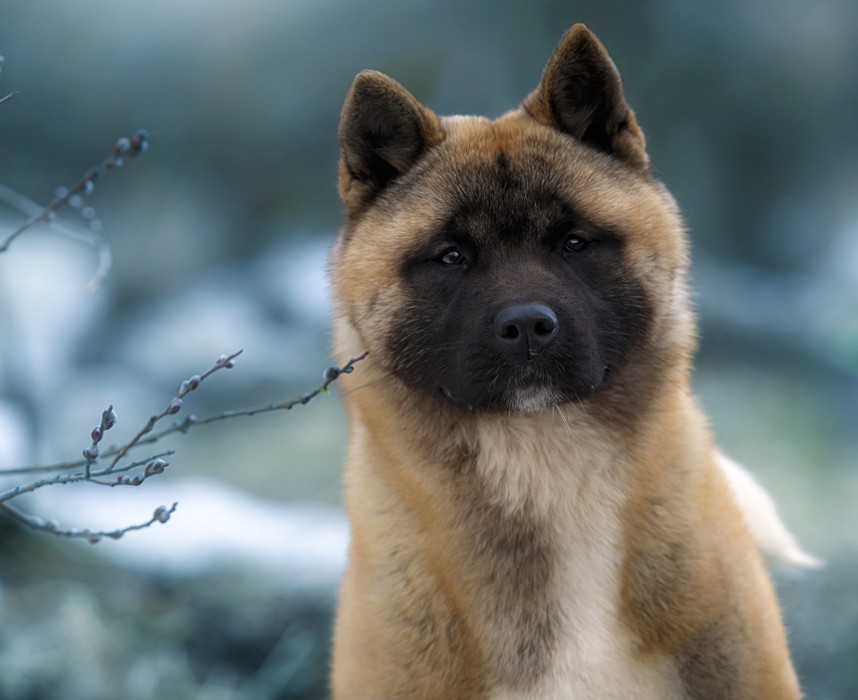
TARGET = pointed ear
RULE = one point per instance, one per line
(383, 131)
(582, 95)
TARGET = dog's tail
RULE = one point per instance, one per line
(761, 515)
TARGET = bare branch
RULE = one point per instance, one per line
(156, 460)
(331, 374)
(175, 405)
(92, 234)
(124, 148)
(115, 473)
(11, 94)
(161, 515)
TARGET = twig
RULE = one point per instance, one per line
(92, 235)
(115, 474)
(330, 375)
(175, 405)
(161, 515)
(154, 465)
(11, 94)
(124, 147)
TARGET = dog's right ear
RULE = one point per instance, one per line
(383, 132)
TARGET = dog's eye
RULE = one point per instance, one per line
(574, 243)
(451, 256)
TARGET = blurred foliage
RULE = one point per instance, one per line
(218, 237)
(74, 628)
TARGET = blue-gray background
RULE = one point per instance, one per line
(219, 235)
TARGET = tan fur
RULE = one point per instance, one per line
(590, 549)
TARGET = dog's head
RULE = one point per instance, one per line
(513, 264)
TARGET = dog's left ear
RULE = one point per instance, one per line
(582, 95)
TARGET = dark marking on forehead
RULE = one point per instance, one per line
(505, 202)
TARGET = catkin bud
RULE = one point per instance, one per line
(156, 466)
(122, 146)
(108, 418)
(91, 453)
(161, 514)
(331, 374)
(224, 361)
(139, 142)
(175, 406)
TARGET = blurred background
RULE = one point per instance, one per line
(219, 235)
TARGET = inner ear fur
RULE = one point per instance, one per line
(383, 132)
(581, 94)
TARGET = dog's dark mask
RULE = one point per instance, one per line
(516, 302)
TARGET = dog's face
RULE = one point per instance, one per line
(514, 264)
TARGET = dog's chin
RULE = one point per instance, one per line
(533, 400)
(518, 400)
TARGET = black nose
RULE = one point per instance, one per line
(526, 327)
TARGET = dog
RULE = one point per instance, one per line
(537, 506)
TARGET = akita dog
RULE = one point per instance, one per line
(536, 501)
